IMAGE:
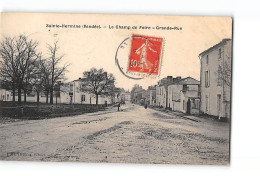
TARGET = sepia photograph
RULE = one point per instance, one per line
(99, 88)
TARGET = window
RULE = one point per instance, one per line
(185, 87)
(207, 59)
(71, 87)
(83, 98)
(7, 97)
(219, 53)
(183, 105)
(206, 78)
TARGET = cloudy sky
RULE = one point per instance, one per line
(85, 48)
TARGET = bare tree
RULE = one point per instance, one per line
(224, 72)
(56, 72)
(31, 67)
(17, 53)
(97, 82)
(45, 73)
(9, 63)
(36, 81)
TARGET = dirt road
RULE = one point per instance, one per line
(134, 134)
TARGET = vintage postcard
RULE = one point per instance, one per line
(99, 88)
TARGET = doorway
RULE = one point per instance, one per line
(188, 106)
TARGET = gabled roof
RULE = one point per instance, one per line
(215, 46)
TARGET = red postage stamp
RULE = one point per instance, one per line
(145, 54)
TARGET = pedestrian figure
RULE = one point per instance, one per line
(118, 106)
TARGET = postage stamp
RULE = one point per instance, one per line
(139, 56)
(145, 54)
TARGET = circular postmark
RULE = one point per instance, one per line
(138, 56)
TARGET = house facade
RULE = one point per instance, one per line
(5, 95)
(71, 93)
(137, 95)
(162, 91)
(215, 76)
(152, 95)
(145, 97)
(183, 95)
(125, 96)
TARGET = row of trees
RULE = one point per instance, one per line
(23, 67)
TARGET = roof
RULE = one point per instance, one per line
(188, 81)
(213, 47)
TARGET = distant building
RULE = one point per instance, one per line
(5, 95)
(162, 91)
(137, 94)
(152, 95)
(215, 76)
(145, 97)
(125, 96)
(183, 95)
(71, 93)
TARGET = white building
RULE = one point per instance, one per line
(162, 91)
(5, 95)
(71, 93)
(183, 95)
(215, 76)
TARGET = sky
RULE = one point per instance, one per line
(84, 48)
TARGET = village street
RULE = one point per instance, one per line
(133, 135)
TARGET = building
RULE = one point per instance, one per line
(162, 91)
(145, 97)
(125, 96)
(215, 76)
(183, 95)
(71, 93)
(5, 95)
(137, 94)
(152, 95)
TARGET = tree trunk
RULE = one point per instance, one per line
(19, 94)
(51, 95)
(38, 97)
(24, 95)
(97, 100)
(13, 89)
(47, 96)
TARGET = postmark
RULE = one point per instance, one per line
(139, 56)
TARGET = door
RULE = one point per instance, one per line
(188, 106)
(219, 105)
(70, 99)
